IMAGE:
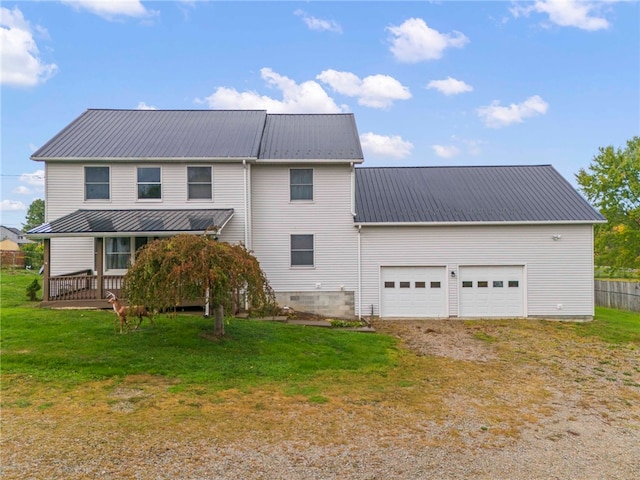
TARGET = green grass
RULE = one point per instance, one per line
(69, 347)
(612, 326)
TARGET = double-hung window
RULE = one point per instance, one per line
(149, 183)
(199, 185)
(302, 251)
(96, 183)
(301, 184)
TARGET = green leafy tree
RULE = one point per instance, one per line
(612, 184)
(35, 215)
(196, 267)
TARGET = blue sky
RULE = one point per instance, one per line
(430, 83)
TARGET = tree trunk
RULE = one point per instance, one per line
(218, 321)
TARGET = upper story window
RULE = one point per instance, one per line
(302, 250)
(149, 184)
(199, 183)
(301, 183)
(96, 183)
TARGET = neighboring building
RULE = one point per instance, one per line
(331, 237)
(14, 235)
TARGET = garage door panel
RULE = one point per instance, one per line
(492, 291)
(413, 292)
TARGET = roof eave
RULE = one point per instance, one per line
(477, 223)
(137, 159)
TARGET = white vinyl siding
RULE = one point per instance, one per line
(328, 217)
(62, 198)
(559, 273)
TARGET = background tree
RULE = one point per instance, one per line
(35, 215)
(192, 267)
(612, 184)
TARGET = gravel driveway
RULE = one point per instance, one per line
(499, 403)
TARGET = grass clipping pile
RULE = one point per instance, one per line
(483, 400)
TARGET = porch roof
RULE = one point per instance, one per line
(96, 223)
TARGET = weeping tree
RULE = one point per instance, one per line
(196, 267)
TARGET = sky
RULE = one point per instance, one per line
(429, 82)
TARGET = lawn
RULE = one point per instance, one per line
(75, 393)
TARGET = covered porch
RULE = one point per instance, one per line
(89, 287)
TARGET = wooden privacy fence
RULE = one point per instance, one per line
(620, 295)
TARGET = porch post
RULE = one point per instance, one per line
(99, 247)
(47, 270)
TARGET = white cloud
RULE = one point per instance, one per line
(446, 151)
(12, 206)
(306, 97)
(375, 91)
(385, 146)
(496, 116)
(22, 190)
(318, 24)
(567, 13)
(414, 41)
(20, 62)
(144, 106)
(35, 179)
(112, 9)
(450, 86)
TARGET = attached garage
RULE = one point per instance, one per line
(492, 291)
(413, 292)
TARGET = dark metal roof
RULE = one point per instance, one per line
(204, 134)
(311, 137)
(133, 221)
(468, 194)
(175, 134)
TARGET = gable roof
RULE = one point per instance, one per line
(311, 137)
(182, 135)
(157, 134)
(528, 194)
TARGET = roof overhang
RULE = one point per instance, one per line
(119, 223)
(476, 224)
(145, 159)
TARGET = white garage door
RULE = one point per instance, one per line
(491, 291)
(413, 292)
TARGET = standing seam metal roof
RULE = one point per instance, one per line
(204, 134)
(131, 134)
(535, 193)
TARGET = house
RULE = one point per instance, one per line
(13, 234)
(332, 237)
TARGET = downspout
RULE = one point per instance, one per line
(359, 276)
(246, 203)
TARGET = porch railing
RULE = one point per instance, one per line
(83, 285)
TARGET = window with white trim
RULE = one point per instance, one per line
(302, 250)
(199, 184)
(301, 184)
(118, 253)
(96, 183)
(149, 183)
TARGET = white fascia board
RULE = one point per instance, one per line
(319, 161)
(144, 159)
(462, 224)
